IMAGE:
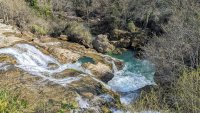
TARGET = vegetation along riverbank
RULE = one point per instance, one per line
(106, 56)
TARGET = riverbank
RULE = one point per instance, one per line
(41, 67)
(55, 34)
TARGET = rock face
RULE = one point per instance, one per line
(85, 94)
(64, 55)
(9, 36)
(122, 43)
(103, 72)
(101, 44)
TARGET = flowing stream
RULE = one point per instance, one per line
(32, 60)
(135, 75)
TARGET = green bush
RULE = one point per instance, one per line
(131, 26)
(80, 31)
(33, 3)
(43, 9)
(39, 30)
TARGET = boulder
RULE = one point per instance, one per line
(63, 37)
(101, 71)
(102, 44)
(120, 34)
(122, 43)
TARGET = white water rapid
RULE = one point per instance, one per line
(135, 75)
(31, 60)
(126, 81)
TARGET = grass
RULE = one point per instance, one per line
(10, 103)
(185, 96)
(187, 92)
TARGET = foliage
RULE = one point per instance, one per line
(15, 12)
(42, 9)
(75, 28)
(39, 30)
(131, 26)
(10, 103)
(185, 93)
(65, 106)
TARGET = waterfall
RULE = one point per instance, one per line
(127, 81)
(135, 75)
(114, 67)
(31, 60)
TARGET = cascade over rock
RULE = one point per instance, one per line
(52, 70)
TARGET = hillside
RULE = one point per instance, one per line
(99, 56)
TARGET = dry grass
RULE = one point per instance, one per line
(185, 93)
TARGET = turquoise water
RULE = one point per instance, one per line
(135, 75)
(86, 60)
(136, 66)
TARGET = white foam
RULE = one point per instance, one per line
(4, 66)
(128, 83)
(32, 60)
(129, 97)
(82, 102)
(125, 81)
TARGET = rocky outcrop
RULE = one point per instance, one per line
(102, 71)
(64, 55)
(122, 43)
(102, 44)
(9, 36)
(85, 94)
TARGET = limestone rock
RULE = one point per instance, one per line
(102, 44)
(9, 36)
(64, 55)
(102, 71)
(8, 41)
(122, 43)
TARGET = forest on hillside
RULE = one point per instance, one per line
(165, 32)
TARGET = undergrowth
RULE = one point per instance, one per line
(10, 103)
(185, 94)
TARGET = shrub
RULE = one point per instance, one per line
(15, 12)
(131, 26)
(150, 101)
(185, 94)
(78, 33)
(176, 50)
(43, 8)
(39, 30)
